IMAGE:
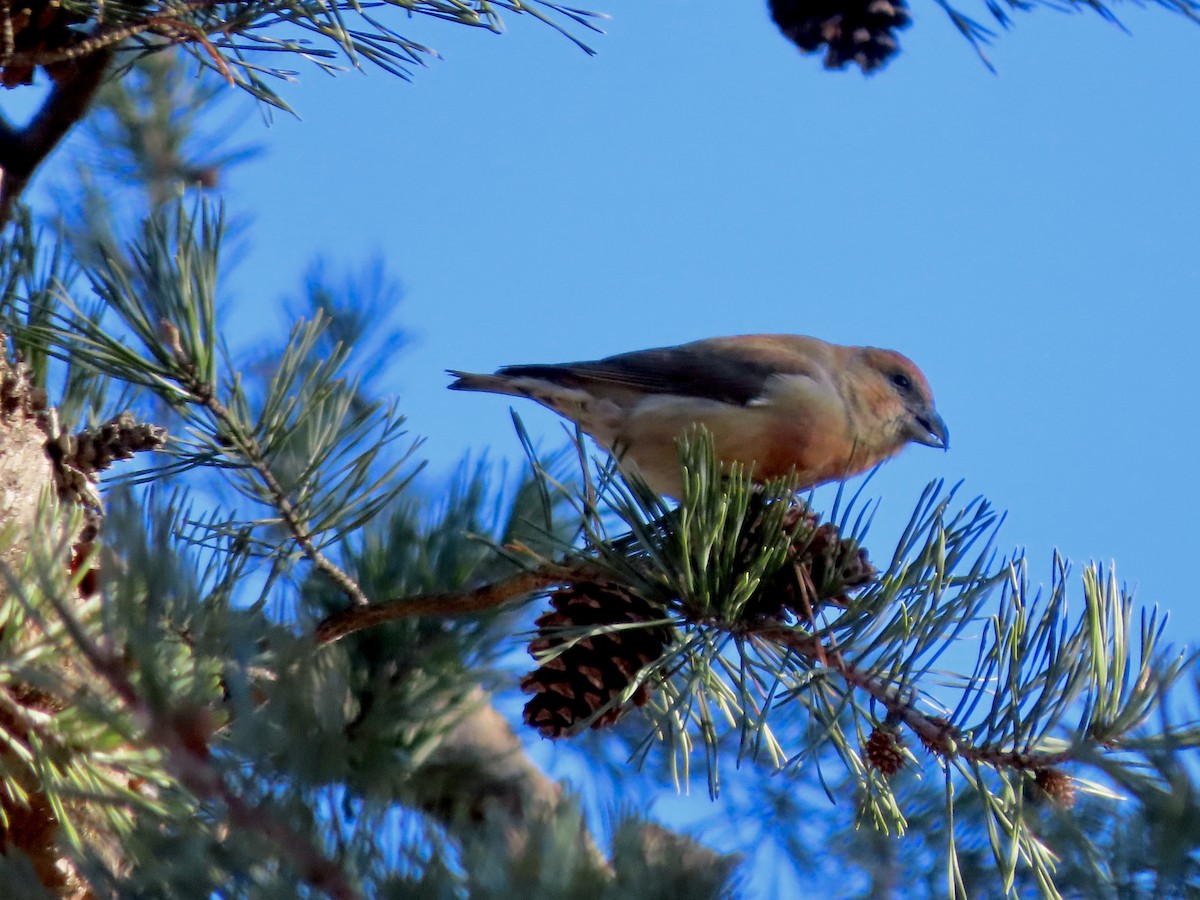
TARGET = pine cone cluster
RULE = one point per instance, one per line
(593, 670)
(40, 25)
(852, 31)
(883, 751)
(95, 449)
(822, 567)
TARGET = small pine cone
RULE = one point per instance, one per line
(1057, 785)
(883, 750)
(852, 31)
(591, 672)
(16, 76)
(796, 512)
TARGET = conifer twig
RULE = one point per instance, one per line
(279, 496)
(452, 603)
(937, 734)
(203, 393)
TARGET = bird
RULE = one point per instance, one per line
(780, 404)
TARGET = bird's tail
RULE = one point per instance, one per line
(528, 381)
(490, 384)
(599, 417)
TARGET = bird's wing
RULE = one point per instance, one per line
(730, 370)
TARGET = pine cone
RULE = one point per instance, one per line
(883, 750)
(41, 25)
(858, 31)
(593, 671)
(1057, 785)
(822, 567)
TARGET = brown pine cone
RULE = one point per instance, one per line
(41, 26)
(883, 750)
(594, 670)
(1057, 785)
(852, 31)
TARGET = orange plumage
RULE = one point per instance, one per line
(774, 402)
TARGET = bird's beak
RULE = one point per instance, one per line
(929, 429)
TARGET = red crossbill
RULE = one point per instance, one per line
(778, 403)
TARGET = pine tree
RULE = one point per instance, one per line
(265, 659)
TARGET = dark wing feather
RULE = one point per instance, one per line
(715, 370)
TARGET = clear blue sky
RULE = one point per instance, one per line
(1030, 238)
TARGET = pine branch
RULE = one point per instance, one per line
(183, 736)
(310, 452)
(223, 36)
(246, 444)
(452, 603)
(220, 36)
(161, 22)
(936, 733)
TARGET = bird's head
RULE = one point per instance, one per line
(897, 393)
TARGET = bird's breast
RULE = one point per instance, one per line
(810, 439)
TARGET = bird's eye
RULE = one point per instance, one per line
(902, 381)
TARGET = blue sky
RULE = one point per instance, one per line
(1028, 237)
